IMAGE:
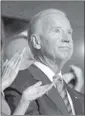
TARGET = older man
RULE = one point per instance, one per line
(50, 39)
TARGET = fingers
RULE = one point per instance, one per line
(74, 68)
(37, 84)
(49, 87)
(14, 58)
(14, 63)
(68, 77)
(43, 89)
(22, 53)
(76, 71)
(18, 62)
(18, 56)
(34, 87)
(12, 67)
(4, 66)
(19, 59)
(36, 91)
(5, 63)
(10, 63)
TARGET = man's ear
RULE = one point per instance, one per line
(35, 39)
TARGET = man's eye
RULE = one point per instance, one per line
(69, 32)
(57, 30)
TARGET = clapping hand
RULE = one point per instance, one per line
(37, 90)
(10, 69)
(32, 93)
(75, 73)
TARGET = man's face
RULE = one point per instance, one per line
(56, 37)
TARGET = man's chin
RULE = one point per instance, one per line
(66, 57)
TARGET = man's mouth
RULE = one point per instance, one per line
(65, 47)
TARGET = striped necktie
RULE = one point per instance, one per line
(63, 93)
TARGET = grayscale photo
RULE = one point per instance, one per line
(42, 58)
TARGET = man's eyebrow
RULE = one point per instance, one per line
(70, 29)
(56, 27)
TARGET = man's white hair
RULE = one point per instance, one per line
(46, 12)
(40, 15)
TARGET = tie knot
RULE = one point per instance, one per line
(58, 79)
(58, 82)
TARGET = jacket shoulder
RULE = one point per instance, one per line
(81, 96)
(23, 80)
(75, 93)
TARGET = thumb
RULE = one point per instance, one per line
(75, 69)
(37, 84)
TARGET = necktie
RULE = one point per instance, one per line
(63, 93)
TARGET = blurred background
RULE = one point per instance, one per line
(16, 14)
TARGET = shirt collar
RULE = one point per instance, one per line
(49, 73)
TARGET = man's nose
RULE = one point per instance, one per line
(66, 38)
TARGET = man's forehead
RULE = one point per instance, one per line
(48, 18)
(44, 14)
(56, 20)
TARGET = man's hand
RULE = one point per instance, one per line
(10, 69)
(74, 73)
(35, 91)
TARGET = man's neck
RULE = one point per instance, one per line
(55, 66)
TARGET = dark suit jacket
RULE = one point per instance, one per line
(48, 104)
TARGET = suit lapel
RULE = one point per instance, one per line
(75, 100)
(53, 94)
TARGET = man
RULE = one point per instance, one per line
(50, 39)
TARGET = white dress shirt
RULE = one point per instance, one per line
(49, 73)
